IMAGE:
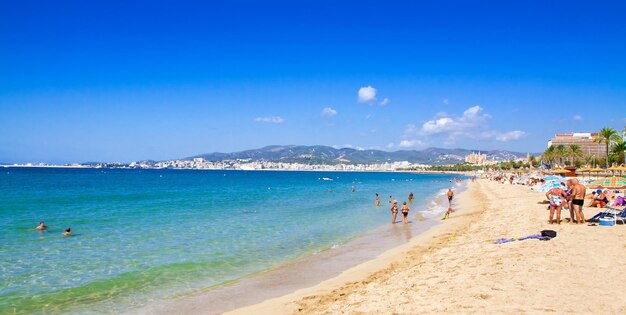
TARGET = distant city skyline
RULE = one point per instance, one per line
(122, 82)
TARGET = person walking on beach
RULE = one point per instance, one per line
(450, 196)
(447, 214)
(405, 213)
(411, 197)
(377, 200)
(394, 211)
(578, 191)
(556, 197)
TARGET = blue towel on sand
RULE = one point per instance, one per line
(534, 236)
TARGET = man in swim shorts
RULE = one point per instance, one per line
(450, 196)
(578, 199)
(556, 197)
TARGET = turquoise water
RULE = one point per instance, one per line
(145, 235)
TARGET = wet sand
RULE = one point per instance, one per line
(308, 271)
(455, 267)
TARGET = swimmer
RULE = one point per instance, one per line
(352, 188)
(377, 200)
(411, 197)
(405, 213)
(42, 226)
(68, 232)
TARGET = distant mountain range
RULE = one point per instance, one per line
(319, 154)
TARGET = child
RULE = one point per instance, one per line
(447, 214)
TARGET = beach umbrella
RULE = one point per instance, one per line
(560, 171)
(582, 170)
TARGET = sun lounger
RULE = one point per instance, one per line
(617, 214)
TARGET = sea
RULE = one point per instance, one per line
(145, 236)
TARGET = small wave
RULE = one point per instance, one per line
(248, 211)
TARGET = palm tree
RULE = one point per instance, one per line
(575, 152)
(606, 135)
(618, 149)
(561, 152)
(548, 154)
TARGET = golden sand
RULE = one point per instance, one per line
(456, 268)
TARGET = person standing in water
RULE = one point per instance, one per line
(411, 197)
(394, 211)
(353, 189)
(377, 200)
(405, 213)
(450, 196)
(42, 226)
(68, 232)
(390, 199)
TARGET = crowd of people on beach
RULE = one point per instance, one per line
(569, 195)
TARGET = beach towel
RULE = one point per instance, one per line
(545, 235)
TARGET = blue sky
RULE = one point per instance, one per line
(116, 81)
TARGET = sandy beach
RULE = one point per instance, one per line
(455, 267)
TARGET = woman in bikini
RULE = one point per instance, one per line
(405, 213)
(394, 211)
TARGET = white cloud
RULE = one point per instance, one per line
(445, 101)
(411, 143)
(328, 112)
(390, 145)
(472, 124)
(367, 94)
(385, 102)
(272, 119)
(511, 135)
(471, 118)
(577, 117)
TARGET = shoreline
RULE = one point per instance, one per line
(309, 269)
(289, 303)
(456, 267)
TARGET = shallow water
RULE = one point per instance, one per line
(145, 235)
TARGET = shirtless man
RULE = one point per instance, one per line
(42, 226)
(578, 193)
(450, 196)
(556, 197)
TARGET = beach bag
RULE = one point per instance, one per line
(548, 233)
